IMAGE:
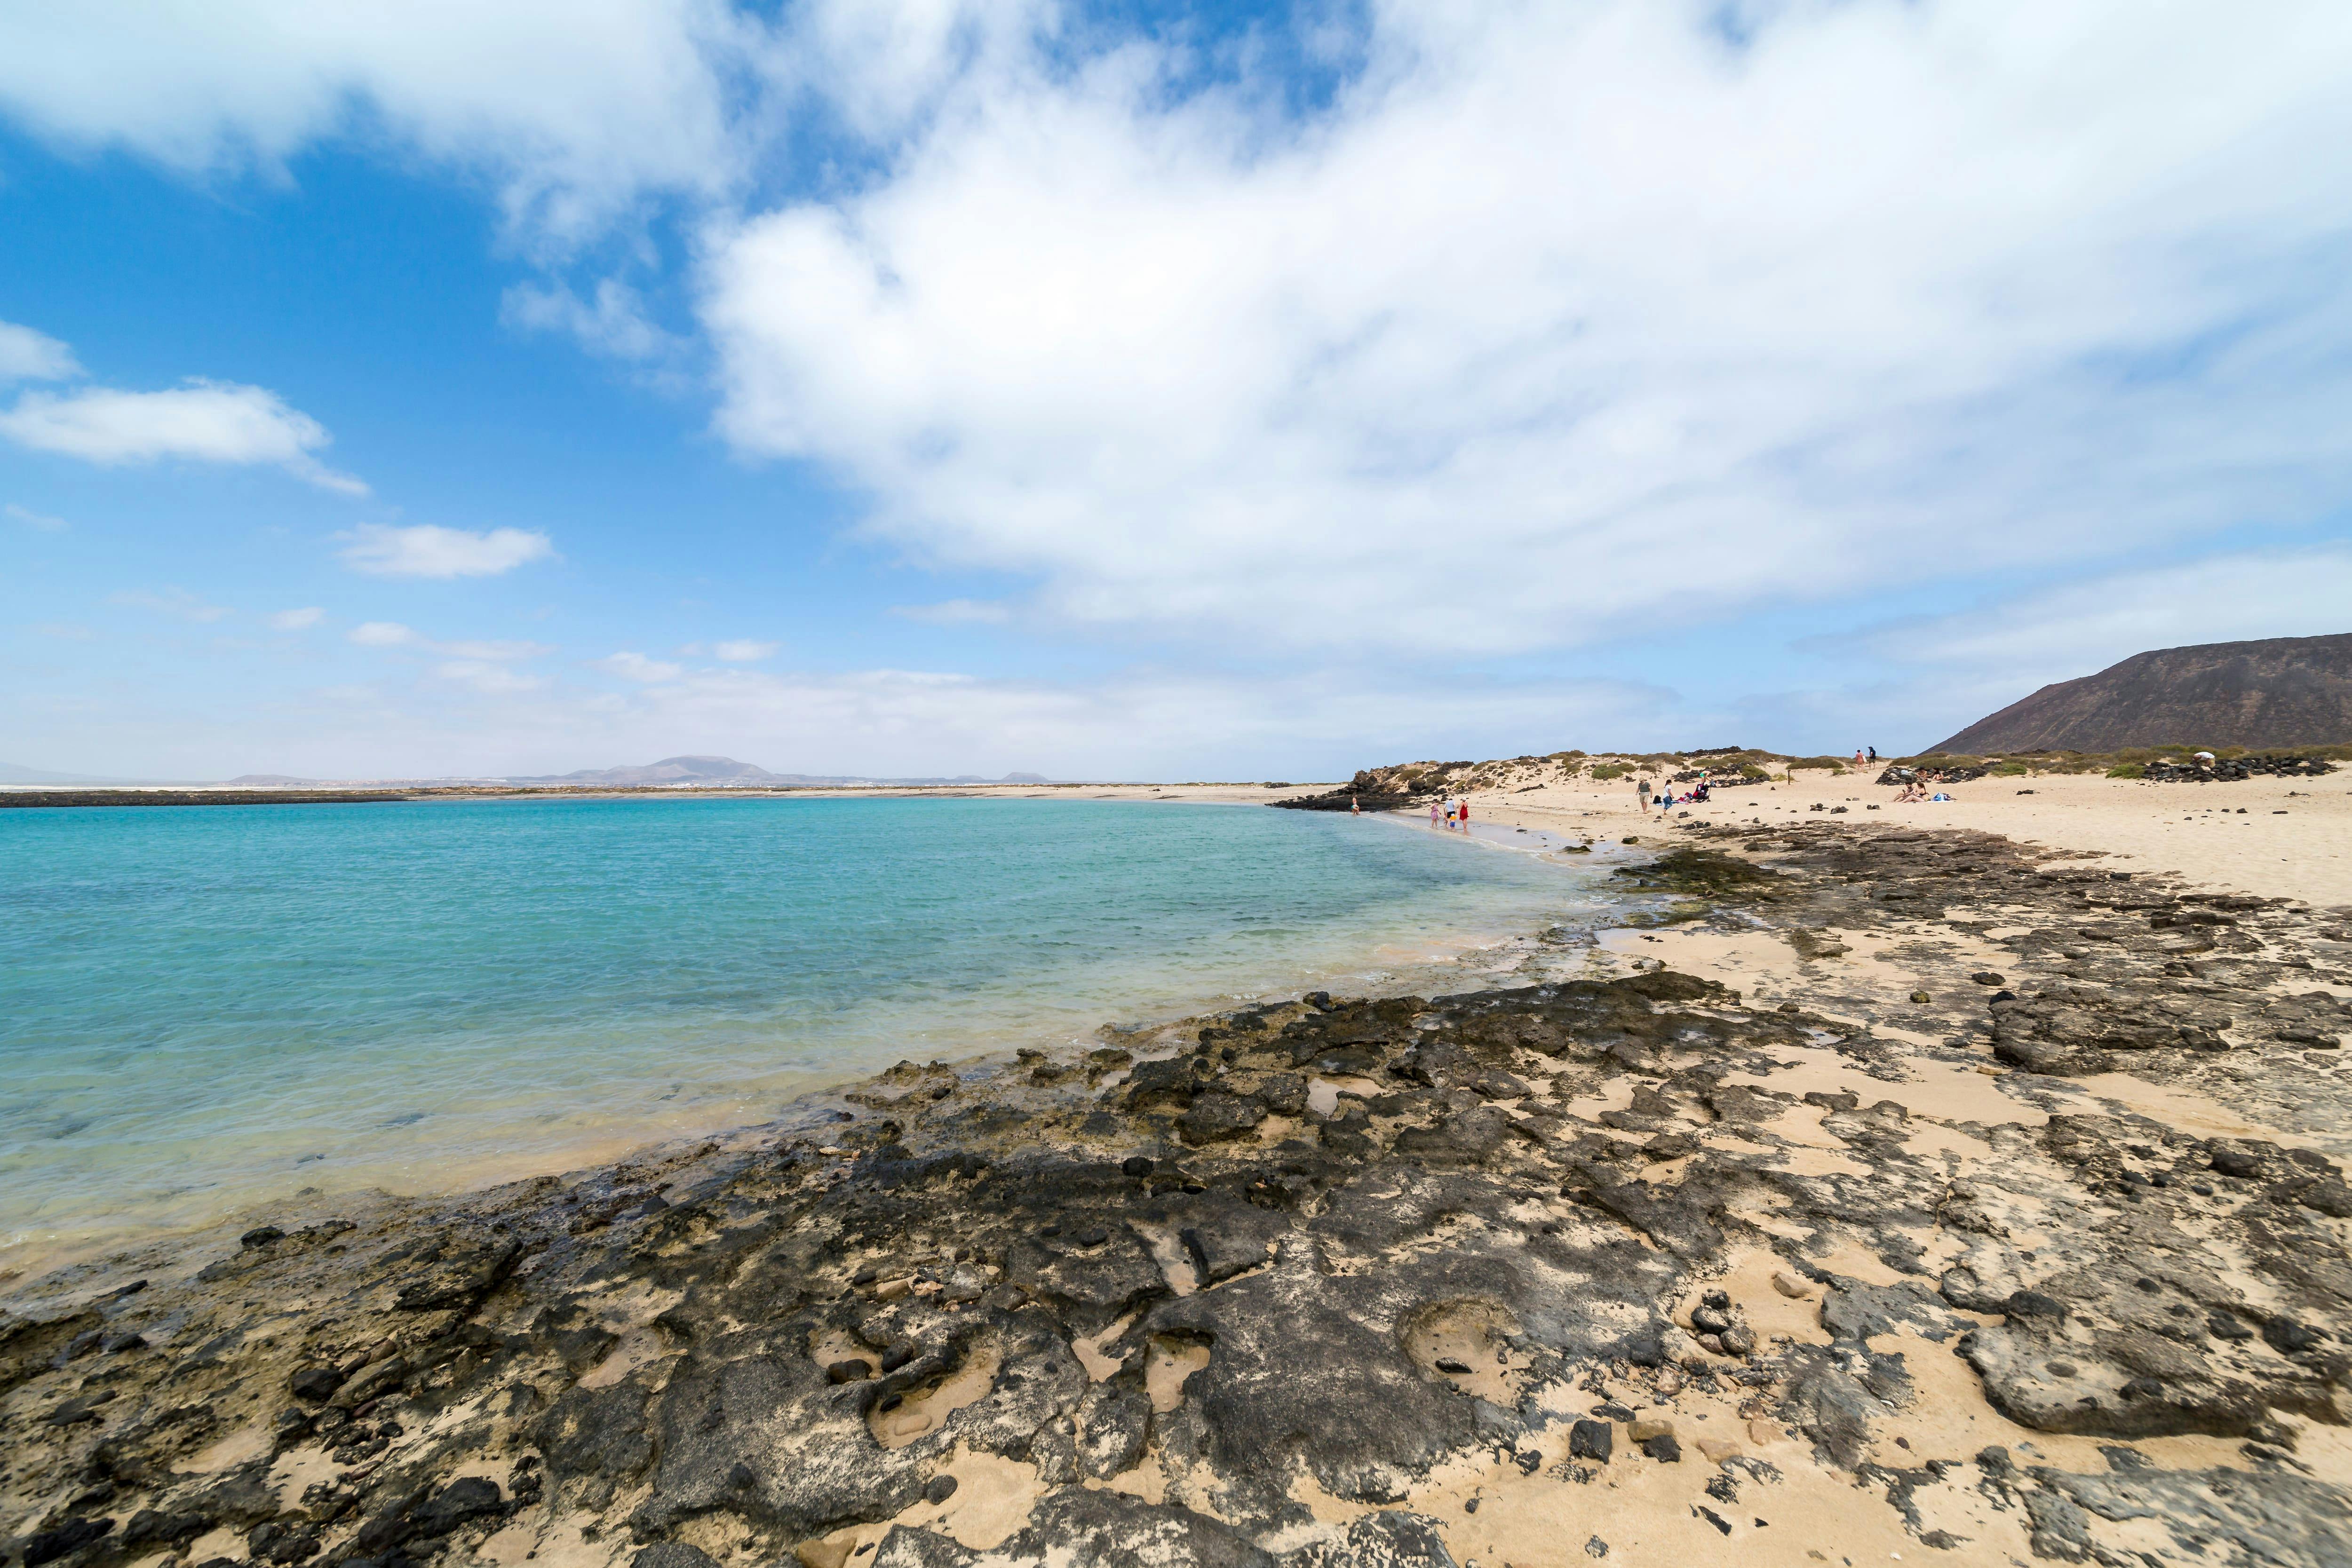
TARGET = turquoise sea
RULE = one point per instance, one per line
(203, 1008)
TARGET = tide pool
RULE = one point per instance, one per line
(206, 1006)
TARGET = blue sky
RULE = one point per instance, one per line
(1146, 390)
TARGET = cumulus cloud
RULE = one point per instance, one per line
(743, 650)
(611, 321)
(33, 519)
(427, 550)
(2082, 627)
(638, 667)
(300, 620)
(29, 356)
(573, 111)
(381, 634)
(201, 421)
(1560, 317)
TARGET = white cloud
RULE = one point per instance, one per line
(202, 421)
(176, 603)
(743, 650)
(2080, 628)
(32, 519)
(464, 652)
(571, 110)
(427, 550)
(297, 620)
(500, 651)
(957, 612)
(638, 667)
(1563, 318)
(613, 322)
(490, 679)
(29, 356)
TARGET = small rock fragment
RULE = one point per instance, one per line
(1789, 1285)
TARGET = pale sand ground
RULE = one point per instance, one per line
(2193, 829)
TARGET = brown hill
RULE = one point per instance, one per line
(2281, 691)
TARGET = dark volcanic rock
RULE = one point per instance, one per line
(2281, 691)
(769, 1345)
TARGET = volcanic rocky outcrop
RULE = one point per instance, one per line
(2278, 692)
(1614, 1261)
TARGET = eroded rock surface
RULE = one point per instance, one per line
(1503, 1275)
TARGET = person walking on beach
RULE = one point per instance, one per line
(1641, 793)
(1463, 815)
(1433, 813)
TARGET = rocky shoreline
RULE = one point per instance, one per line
(1625, 1265)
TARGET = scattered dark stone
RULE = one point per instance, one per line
(1592, 1440)
(1135, 1165)
(2033, 1304)
(315, 1383)
(2291, 1338)
(1662, 1449)
(852, 1370)
(672, 1554)
(1447, 1364)
(261, 1235)
(72, 1535)
(938, 1489)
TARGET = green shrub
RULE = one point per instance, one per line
(1827, 763)
(2127, 770)
(1606, 770)
(2012, 771)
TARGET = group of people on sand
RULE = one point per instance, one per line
(1666, 798)
(1454, 813)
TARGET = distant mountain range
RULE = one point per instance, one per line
(2281, 691)
(727, 770)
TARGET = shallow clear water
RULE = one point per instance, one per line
(203, 1007)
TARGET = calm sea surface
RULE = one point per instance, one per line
(200, 1008)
